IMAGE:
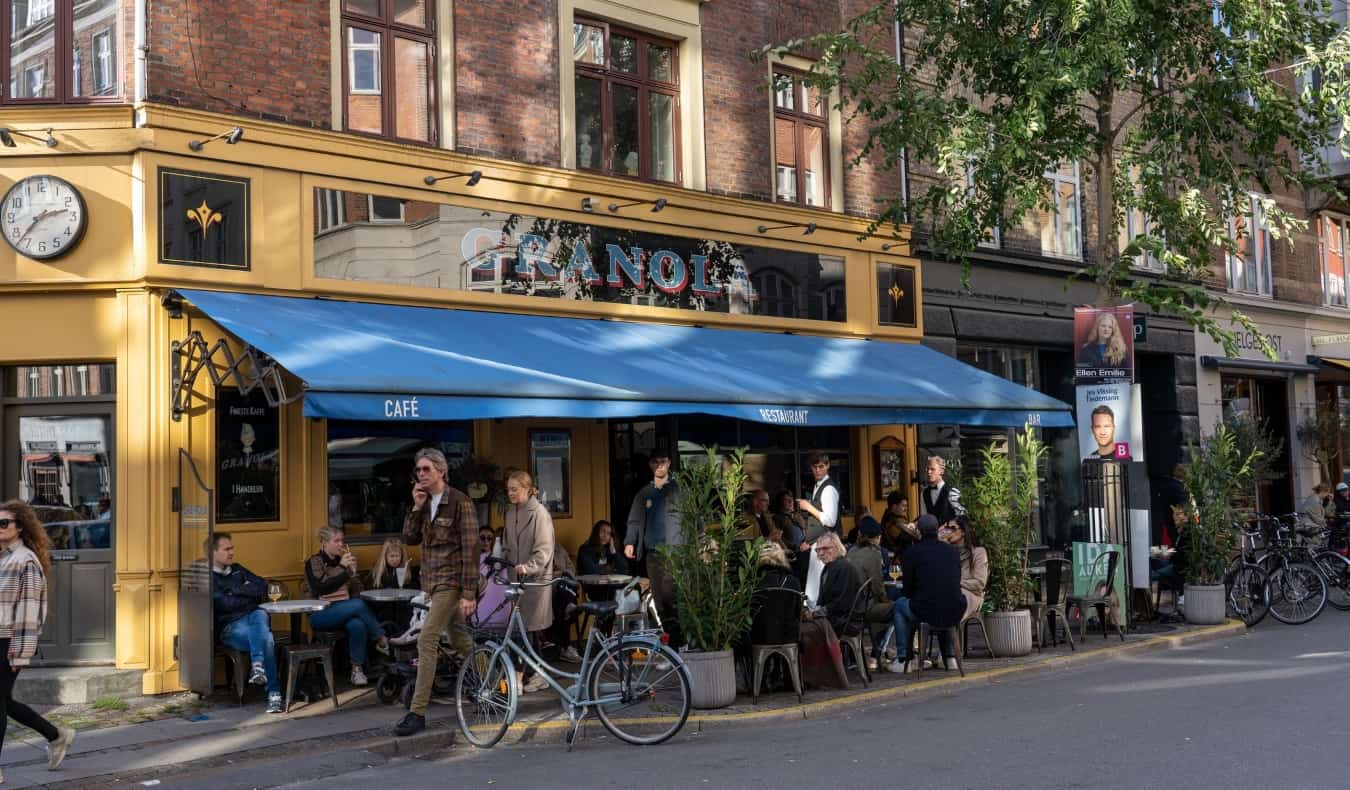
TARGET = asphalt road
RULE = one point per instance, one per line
(1262, 710)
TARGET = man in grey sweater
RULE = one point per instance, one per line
(654, 521)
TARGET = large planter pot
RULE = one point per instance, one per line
(1009, 632)
(1206, 604)
(712, 678)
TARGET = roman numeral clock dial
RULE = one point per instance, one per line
(43, 217)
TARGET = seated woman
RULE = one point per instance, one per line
(492, 611)
(331, 576)
(974, 562)
(598, 556)
(822, 660)
(777, 608)
(393, 571)
(932, 593)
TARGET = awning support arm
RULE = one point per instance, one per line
(251, 370)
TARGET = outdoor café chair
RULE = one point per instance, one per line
(854, 642)
(928, 635)
(776, 631)
(975, 619)
(1105, 576)
(1054, 610)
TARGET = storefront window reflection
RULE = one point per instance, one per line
(433, 245)
(79, 380)
(370, 471)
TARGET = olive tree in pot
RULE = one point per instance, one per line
(715, 574)
(1216, 475)
(1001, 503)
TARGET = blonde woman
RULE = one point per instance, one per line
(331, 575)
(393, 570)
(527, 544)
(1105, 346)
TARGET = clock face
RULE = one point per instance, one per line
(43, 217)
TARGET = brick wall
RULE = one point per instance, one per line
(260, 58)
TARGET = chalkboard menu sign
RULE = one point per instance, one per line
(248, 454)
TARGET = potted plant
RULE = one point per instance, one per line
(1218, 472)
(715, 574)
(1000, 503)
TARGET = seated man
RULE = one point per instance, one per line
(932, 593)
(240, 624)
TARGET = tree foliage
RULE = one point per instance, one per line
(1180, 111)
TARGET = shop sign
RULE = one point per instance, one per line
(248, 455)
(1329, 340)
(203, 219)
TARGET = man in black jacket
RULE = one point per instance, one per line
(240, 624)
(932, 592)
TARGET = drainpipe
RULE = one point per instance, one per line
(140, 44)
(904, 152)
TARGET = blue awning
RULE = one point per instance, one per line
(363, 361)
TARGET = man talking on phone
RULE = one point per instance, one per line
(444, 522)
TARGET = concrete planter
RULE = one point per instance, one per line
(712, 678)
(1206, 604)
(1009, 632)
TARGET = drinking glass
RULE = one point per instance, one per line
(895, 573)
(275, 591)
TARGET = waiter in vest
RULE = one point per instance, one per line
(822, 515)
(938, 497)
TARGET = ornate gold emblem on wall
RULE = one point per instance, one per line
(897, 293)
(205, 216)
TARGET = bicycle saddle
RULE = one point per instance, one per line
(599, 608)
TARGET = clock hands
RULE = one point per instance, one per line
(46, 213)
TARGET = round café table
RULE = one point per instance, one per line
(607, 582)
(392, 595)
(295, 608)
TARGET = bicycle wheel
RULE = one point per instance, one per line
(1248, 593)
(641, 691)
(1298, 593)
(1336, 569)
(486, 695)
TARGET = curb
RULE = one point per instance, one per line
(555, 730)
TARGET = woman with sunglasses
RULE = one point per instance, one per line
(24, 565)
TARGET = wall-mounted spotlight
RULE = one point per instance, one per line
(230, 137)
(474, 177)
(657, 205)
(891, 246)
(7, 138)
(587, 205)
(810, 227)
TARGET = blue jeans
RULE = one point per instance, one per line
(354, 617)
(252, 634)
(905, 621)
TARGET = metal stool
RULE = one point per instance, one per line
(298, 656)
(760, 655)
(928, 633)
(975, 619)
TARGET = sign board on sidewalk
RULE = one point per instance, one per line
(1086, 582)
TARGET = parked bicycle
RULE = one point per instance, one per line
(1246, 583)
(635, 683)
(1298, 585)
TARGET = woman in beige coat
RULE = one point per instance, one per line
(974, 562)
(527, 544)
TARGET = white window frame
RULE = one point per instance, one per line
(332, 210)
(31, 74)
(1332, 296)
(374, 50)
(38, 10)
(75, 68)
(370, 210)
(1238, 267)
(1054, 179)
(105, 68)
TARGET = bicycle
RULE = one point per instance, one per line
(637, 685)
(1246, 583)
(1298, 585)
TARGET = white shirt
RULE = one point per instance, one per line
(829, 503)
(436, 503)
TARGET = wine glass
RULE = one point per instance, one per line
(275, 591)
(895, 572)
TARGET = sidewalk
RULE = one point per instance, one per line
(226, 734)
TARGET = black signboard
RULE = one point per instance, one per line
(896, 297)
(203, 219)
(248, 456)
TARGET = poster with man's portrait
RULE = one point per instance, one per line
(1105, 422)
(1103, 342)
(248, 450)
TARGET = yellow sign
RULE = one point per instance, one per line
(1326, 340)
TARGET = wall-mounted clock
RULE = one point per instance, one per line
(43, 217)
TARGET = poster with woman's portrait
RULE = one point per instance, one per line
(1103, 341)
(248, 450)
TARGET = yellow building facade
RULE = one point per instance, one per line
(100, 303)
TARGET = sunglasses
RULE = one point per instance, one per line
(6, 523)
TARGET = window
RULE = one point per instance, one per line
(1249, 261)
(1331, 231)
(385, 209)
(103, 64)
(800, 142)
(390, 61)
(992, 238)
(60, 51)
(1060, 227)
(627, 102)
(330, 210)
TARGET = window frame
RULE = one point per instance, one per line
(1255, 216)
(645, 86)
(374, 220)
(103, 36)
(1054, 178)
(387, 82)
(63, 44)
(1342, 224)
(800, 118)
